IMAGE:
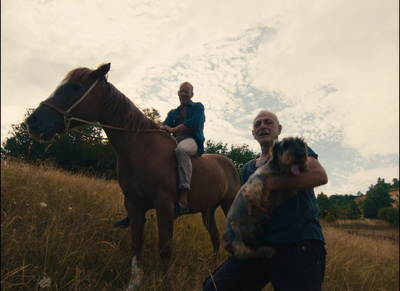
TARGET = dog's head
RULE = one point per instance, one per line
(290, 155)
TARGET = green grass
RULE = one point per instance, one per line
(59, 227)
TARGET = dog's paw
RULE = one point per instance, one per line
(253, 193)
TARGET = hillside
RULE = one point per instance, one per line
(57, 231)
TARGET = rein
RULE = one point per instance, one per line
(68, 117)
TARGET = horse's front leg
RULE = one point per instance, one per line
(137, 218)
(137, 227)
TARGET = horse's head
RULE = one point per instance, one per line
(73, 100)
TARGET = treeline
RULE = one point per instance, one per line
(377, 203)
(86, 150)
(340, 206)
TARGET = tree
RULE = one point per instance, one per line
(22, 145)
(82, 150)
(240, 155)
(395, 184)
(330, 218)
(325, 206)
(377, 197)
(77, 151)
(153, 114)
(349, 211)
(216, 148)
(345, 206)
(389, 214)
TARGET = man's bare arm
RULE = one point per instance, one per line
(315, 176)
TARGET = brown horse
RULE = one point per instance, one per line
(147, 168)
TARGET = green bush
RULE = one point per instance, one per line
(389, 214)
(330, 218)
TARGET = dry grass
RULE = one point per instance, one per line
(356, 262)
(58, 228)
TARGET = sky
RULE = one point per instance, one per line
(329, 69)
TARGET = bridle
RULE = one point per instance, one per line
(68, 117)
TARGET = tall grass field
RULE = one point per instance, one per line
(57, 233)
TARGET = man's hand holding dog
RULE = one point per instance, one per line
(315, 176)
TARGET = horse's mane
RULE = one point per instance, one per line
(116, 104)
(126, 113)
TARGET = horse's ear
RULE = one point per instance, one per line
(101, 71)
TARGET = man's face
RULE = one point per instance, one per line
(185, 93)
(266, 128)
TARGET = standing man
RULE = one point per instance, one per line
(293, 229)
(186, 123)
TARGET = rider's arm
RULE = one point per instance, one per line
(180, 128)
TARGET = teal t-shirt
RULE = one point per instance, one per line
(294, 220)
(194, 121)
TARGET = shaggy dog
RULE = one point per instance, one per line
(287, 157)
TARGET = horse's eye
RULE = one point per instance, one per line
(75, 86)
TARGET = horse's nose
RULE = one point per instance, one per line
(32, 120)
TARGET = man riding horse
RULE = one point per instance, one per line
(186, 123)
(146, 161)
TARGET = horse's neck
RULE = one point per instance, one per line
(137, 132)
(119, 111)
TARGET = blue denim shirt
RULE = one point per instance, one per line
(294, 220)
(195, 119)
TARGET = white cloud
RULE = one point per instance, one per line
(350, 47)
(329, 69)
(353, 182)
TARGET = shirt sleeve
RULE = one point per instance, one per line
(196, 119)
(248, 169)
(169, 120)
(312, 153)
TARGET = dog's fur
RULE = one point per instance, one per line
(287, 157)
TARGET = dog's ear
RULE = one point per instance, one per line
(302, 145)
(274, 155)
(287, 142)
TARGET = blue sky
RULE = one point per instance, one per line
(329, 69)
